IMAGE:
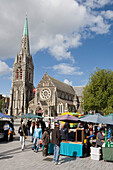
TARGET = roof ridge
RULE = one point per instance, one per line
(60, 81)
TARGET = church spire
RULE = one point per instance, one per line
(25, 32)
(24, 48)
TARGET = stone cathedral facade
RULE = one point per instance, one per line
(52, 97)
(22, 82)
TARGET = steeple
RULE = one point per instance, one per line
(22, 82)
(24, 48)
(25, 32)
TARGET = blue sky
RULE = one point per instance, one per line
(68, 38)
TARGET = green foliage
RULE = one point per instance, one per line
(1, 105)
(98, 93)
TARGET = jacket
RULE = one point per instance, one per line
(20, 131)
(56, 136)
(99, 138)
(37, 133)
(64, 133)
(45, 138)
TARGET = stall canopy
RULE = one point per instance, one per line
(2, 115)
(30, 116)
(67, 118)
(110, 116)
(96, 118)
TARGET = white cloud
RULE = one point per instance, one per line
(95, 3)
(4, 68)
(67, 69)
(68, 82)
(57, 25)
(107, 14)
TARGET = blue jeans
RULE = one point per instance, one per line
(35, 144)
(28, 131)
(56, 153)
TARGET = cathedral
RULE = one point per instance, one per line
(51, 97)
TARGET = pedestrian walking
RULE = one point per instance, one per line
(45, 141)
(37, 136)
(32, 127)
(56, 139)
(43, 125)
(23, 134)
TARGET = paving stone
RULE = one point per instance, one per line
(12, 158)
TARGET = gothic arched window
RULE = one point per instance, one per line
(60, 108)
(21, 74)
(17, 74)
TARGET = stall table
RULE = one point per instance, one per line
(68, 148)
(107, 153)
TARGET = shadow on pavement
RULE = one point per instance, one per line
(67, 159)
(6, 157)
(13, 151)
(48, 159)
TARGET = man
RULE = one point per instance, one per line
(6, 129)
(100, 138)
(32, 127)
(56, 139)
(64, 132)
(37, 136)
(23, 133)
(45, 141)
(43, 125)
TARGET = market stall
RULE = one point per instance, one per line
(107, 153)
(107, 148)
(70, 148)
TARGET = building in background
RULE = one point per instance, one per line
(52, 97)
(22, 83)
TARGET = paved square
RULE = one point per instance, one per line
(12, 158)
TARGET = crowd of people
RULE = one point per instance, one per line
(41, 135)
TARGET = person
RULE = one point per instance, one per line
(86, 130)
(45, 141)
(49, 124)
(43, 125)
(100, 137)
(91, 129)
(37, 136)
(6, 129)
(32, 127)
(28, 126)
(80, 125)
(56, 139)
(11, 131)
(64, 132)
(23, 133)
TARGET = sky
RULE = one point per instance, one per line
(68, 38)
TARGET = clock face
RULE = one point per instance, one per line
(45, 93)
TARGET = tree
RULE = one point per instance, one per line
(98, 93)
